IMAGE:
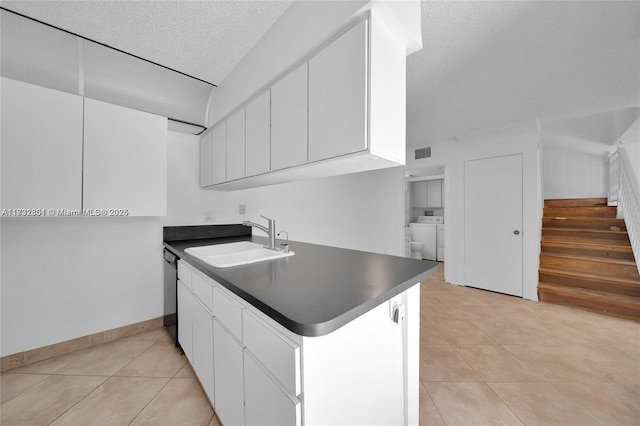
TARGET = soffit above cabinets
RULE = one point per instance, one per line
(204, 39)
(39, 54)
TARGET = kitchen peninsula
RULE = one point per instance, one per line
(327, 336)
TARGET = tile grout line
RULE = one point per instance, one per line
(81, 399)
(150, 400)
(135, 357)
(505, 403)
(29, 388)
(432, 402)
(107, 378)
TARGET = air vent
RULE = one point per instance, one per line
(423, 153)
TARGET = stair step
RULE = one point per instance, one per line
(575, 202)
(588, 249)
(589, 281)
(597, 211)
(601, 223)
(595, 266)
(591, 300)
(618, 238)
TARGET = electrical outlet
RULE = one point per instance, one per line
(209, 216)
(243, 209)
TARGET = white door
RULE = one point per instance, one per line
(493, 224)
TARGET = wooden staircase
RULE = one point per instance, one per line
(586, 259)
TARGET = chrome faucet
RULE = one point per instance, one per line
(270, 231)
(285, 246)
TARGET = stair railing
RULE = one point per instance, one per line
(627, 196)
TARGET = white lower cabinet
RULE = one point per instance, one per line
(203, 348)
(256, 372)
(185, 320)
(228, 370)
(266, 403)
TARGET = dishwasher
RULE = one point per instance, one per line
(170, 294)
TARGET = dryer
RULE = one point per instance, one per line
(440, 242)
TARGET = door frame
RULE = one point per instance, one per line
(531, 213)
(413, 173)
(515, 288)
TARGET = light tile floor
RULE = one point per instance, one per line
(485, 359)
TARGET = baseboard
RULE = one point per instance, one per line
(39, 354)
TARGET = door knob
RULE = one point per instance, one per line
(516, 232)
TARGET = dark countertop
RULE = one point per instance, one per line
(317, 290)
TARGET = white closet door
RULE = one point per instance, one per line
(493, 224)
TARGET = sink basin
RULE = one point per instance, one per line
(235, 254)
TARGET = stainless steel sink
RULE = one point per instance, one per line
(235, 254)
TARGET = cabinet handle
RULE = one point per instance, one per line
(516, 232)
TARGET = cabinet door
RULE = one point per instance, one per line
(41, 133)
(185, 320)
(235, 146)
(338, 96)
(206, 160)
(125, 159)
(258, 136)
(218, 153)
(434, 193)
(266, 403)
(228, 370)
(419, 194)
(203, 348)
(289, 120)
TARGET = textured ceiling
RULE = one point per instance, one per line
(484, 63)
(204, 39)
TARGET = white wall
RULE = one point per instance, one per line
(361, 211)
(575, 155)
(64, 278)
(452, 153)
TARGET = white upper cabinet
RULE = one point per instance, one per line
(236, 146)
(64, 152)
(341, 111)
(258, 135)
(41, 147)
(419, 193)
(427, 193)
(434, 193)
(289, 120)
(218, 153)
(206, 159)
(125, 160)
(338, 96)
